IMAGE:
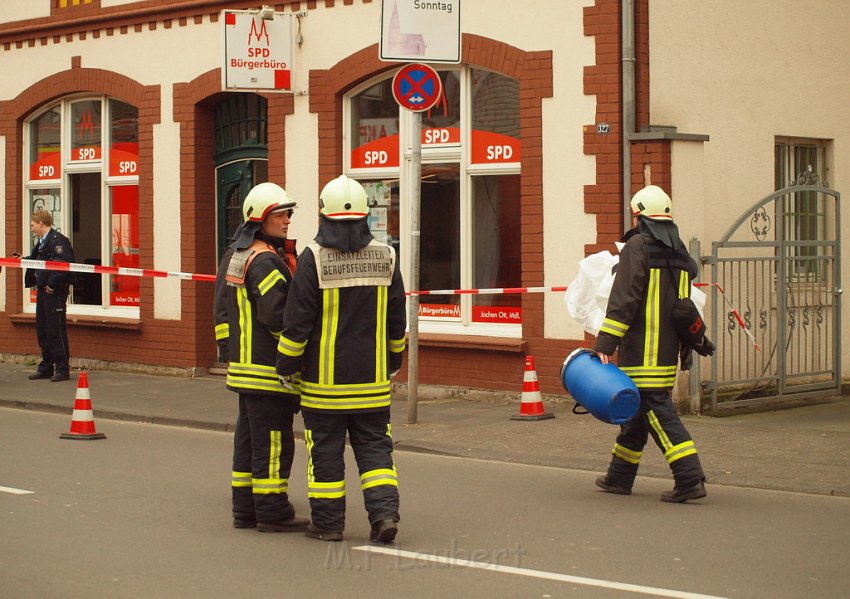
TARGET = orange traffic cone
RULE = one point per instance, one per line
(531, 406)
(82, 420)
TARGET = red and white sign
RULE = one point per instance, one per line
(381, 153)
(494, 148)
(500, 314)
(257, 52)
(47, 167)
(124, 159)
(440, 310)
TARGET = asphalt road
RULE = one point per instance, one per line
(145, 513)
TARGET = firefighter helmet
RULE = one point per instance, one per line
(263, 199)
(343, 199)
(653, 203)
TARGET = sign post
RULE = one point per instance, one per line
(257, 51)
(416, 87)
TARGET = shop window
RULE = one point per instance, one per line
(83, 166)
(469, 193)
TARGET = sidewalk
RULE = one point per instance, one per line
(804, 449)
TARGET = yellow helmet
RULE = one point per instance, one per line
(653, 203)
(264, 199)
(343, 199)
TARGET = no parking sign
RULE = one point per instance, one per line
(417, 87)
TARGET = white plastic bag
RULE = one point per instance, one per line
(587, 296)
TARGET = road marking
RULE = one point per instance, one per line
(15, 491)
(593, 582)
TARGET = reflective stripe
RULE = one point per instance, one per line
(267, 283)
(684, 284)
(612, 327)
(258, 377)
(381, 334)
(330, 318)
(677, 452)
(651, 377)
(397, 345)
(245, 321)
(624, 453)
(319, 490)
(240, 479)
(269, 486)
(666, 444)
(291, 348)
(222, 331)
(381, 476)
(274, 454)
(350, 396)
(653, 313)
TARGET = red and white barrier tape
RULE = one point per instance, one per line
(186, 276)
(107, 270)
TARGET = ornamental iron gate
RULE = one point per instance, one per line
(778, 268)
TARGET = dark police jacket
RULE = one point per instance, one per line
(56, 248)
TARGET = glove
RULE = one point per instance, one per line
(705, 348)
(223, 351)
(286, 381)
(686, 357)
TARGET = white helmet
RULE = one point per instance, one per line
(343, 199)
(263, 199)
(653, 203)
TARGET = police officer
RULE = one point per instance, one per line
(252, 285)
(344, 330)
(51, 297)
(653, 271)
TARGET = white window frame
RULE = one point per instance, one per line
(447, 153)
(68, 168)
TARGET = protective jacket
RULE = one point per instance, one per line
(344, 324)
(251, 291)
(649, 278)
(56, 248)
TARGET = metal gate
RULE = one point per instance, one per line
(778, 270)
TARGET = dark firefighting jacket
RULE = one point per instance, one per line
(251, 292)
(344, 327)
(649, 278)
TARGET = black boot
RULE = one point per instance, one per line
(682, 494)
(609, 486)
(384, 531)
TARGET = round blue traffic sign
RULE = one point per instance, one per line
(416, 87)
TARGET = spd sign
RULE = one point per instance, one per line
(257, 52)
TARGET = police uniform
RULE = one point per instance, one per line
(344, 330)
(649, 279)
(50, 308)
(251, 292)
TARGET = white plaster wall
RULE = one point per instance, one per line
(744, 73)
(19, 10)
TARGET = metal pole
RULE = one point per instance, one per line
(628, 91)
(413, 301)
(694, 398)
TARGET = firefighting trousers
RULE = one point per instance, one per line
(370, 434)
(657, 417)
(52, 332)
(263, 449)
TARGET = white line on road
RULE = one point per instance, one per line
(593, 582)
(15, 491)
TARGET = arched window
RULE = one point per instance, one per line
(83, 165)
(470, 192)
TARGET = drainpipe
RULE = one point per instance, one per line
(628, 61)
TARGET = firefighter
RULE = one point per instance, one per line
(251, 291)
(344, 331)
(653, 271)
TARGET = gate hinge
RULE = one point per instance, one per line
(708, 260)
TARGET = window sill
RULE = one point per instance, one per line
(129, 324)
(505, 344)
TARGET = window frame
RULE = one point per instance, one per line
(63, 184)
(452, 153)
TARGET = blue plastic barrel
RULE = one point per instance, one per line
(602, 389)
